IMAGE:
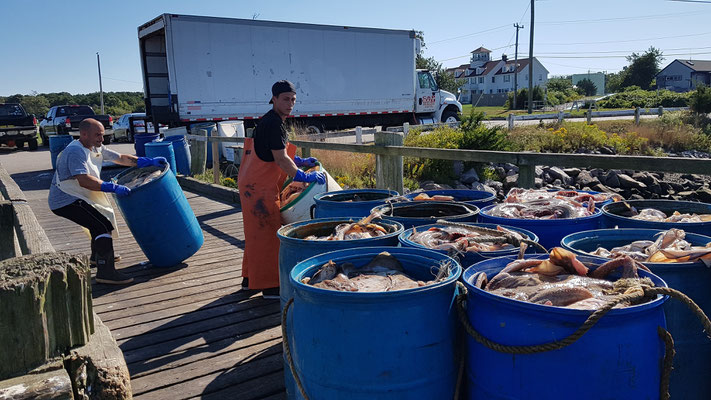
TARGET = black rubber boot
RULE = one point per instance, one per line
(92, 258)
(106, 270)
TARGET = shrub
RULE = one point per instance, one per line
(700, 100)
(635, 97)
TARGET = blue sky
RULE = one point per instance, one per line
(51, 46)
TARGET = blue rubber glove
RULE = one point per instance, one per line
(305, 162)
(111, 187)
(301, 176)
(143, 162)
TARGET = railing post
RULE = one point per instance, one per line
(526, 176)
(198, 153)
(359, 134)
(215, 162)
(511, 121)
(388, 169)
(7, 230)
(660, 112)
(405, 129)
(305, 152)
(588, 116)
(636, 115)
(560, 117)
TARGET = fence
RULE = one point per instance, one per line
(561, 115)
(389, 152)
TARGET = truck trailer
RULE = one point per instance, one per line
(198, 69)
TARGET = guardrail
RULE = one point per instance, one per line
(561, 115)
(389, 152)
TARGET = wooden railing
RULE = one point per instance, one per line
(389, 152)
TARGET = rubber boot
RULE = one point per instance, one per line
(92, 258)
(106, 269)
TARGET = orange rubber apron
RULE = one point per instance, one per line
(259, 184)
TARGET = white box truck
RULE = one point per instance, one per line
(215, 69)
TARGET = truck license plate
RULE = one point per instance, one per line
(7, 126)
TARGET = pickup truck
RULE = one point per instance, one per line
(17, 127)
(64, 120)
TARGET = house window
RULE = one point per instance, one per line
(540, 77)
(493, 79)
(507, 78)
(481, 79)
(525, 78)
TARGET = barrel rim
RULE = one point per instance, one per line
(484, 211)
(301, 268)
(321, 197)
(607, 213)
(473, 210)
(158, 144)
(405, 236)
(282, 232)
(473, 290)
(166, 168)
(567, 246)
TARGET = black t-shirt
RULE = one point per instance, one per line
(269, 135)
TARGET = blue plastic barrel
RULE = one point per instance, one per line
(419, 213)
(57, 143)
(182, 153)
(160, 218)
(389, 345)
(692, 362)
(549, 231)
(350, 203)
(612, 215)
(468, 258)
(162, 149)
(211, 129)
(618, 358)
(139, 142)
(477, 198)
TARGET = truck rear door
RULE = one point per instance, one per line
(427, 93)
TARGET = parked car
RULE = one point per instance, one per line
(122, 131)
(17, 127)
(64, 120)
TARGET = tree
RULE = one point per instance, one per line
(587, 87)
(700, 101)
(613, 81)
(642, 68)
(559, 84)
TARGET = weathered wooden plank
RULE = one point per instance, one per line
(53, 384)
(388, 168)
(267, 385)
(7, 230)
(30, 234)
(9, 188)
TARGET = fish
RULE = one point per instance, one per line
(654, 215)
(669, 247)
(294, 189)
(562, 281)
(363, 229)
(549, 208)
(519, 195)
(384, 273)
(140, 177)
(437, 197)
(459, 240)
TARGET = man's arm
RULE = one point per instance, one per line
(89, 182)
(126, 160)
(284, 162)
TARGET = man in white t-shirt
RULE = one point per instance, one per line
(78, 194)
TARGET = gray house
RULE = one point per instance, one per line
(684, 75)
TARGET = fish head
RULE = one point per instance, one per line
(567, 260)
(326, 272)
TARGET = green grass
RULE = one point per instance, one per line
(502, 112)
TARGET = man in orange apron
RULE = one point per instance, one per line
(267, 160)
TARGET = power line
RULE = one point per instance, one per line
(469, 34)
(622, 51)
(625, 19)
(622, 56)
(624, 41)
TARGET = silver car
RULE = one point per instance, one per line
(121, 131)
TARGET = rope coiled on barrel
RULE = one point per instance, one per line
(287, 349)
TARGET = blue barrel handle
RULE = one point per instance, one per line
(312, 210)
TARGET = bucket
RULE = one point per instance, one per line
(182, 153)
(349, 203)
(479, 198)
(162, 149)
(618, 358)
(612, 217)
(549, 231)
(389, 345)
(139, 142)
(468, 258)
(211, 128)
(411, 214)
(160, 218)
(299, 209)
(57, 143)
(692, 362)
(229, 129)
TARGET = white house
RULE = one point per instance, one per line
(487, 82)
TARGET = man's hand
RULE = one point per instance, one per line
(111, 187)
(143, 162)
(305, 162)
(301, 176)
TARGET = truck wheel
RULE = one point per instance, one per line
(43, 136)
(450, 117)
(33, 144)
(314, 129)
(107, 139)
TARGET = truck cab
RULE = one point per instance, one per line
(432, 104)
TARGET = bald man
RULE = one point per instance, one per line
(78, 194)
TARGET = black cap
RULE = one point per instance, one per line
(280, 87)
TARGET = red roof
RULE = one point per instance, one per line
(481, 50)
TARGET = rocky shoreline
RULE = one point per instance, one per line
(629, 184)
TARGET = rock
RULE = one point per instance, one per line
(457, 167)
(511, 167)
(687, 195)
(646, 178)
(469, 177)
(597, 172)
(538, 183)
(539, 170)
(603, 189)
(676, 186)
(557, 173)
(692, 177)
(585, 178)
(635, 197)
(611, 179)
(607, 150)
(461, 186)
(557, 183)
(510, 182)
(511, 172)
(496, 185)
(483, 188)
(501, 172)
(627, 182)
(572, 172)
(435, 186)
(704, 195)
(656, 189)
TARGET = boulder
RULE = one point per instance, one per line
(611, 179)
(469, 177)
(483, 188)
(496, 185)
(434, 186)
(557, 173)
(626, 181)
(585, 178)
(704, 195)
(646, 178)
(538, 183)
(510, 182)
(500, 172)
(539, 170)
(572, 172)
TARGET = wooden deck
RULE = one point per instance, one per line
(186, 331)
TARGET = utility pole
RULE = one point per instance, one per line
(517, 26)
(530, 64)
(101, 89)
